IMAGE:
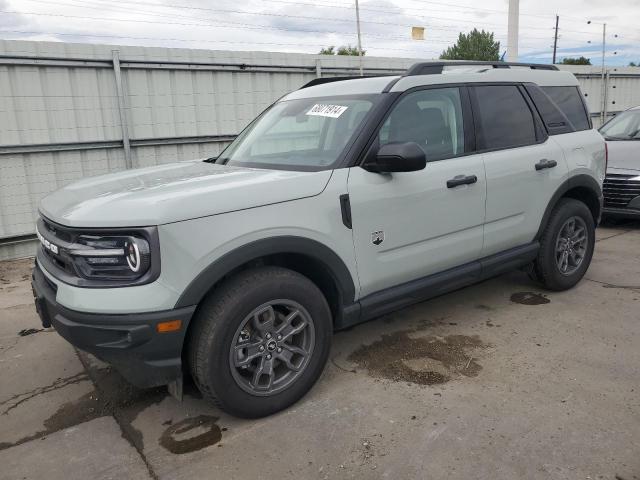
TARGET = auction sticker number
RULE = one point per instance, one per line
(323, 110)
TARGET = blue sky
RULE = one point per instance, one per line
(624, 53)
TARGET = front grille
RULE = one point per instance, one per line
(56, 230)
(619, 190)
(58, 236)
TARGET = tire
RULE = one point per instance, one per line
(549, 265)
(233, 323)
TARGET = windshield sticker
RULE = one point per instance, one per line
(322, 110)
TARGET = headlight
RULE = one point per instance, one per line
(100, 257)
(111, 257)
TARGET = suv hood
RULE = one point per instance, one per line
(624, 154)
(174, 192)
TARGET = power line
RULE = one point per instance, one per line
(302, 17)
(285, 2)
(91, 35)
(233, 42)
(225, 24)
(173, 15)
(128, 9)
(222, 25)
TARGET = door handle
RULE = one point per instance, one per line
(545, 163)
(461, 180)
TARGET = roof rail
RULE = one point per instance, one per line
(432, 68)
(321, 80)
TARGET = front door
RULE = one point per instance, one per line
(412, 224)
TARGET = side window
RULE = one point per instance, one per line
(503, 117)
(569, 100)
(554, 119)
(431, 118)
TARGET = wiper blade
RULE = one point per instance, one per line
(617, 138)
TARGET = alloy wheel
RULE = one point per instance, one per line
(571, 245)
(272, 347)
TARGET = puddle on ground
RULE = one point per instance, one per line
(123, 400)
(529, 298)
(426, 360)
(114, 396)
(191, 434)
(29, 331)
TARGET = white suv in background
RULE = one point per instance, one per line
(622, 183)
(344, 200)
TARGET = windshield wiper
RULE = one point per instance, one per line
(616, 138)
(222, 161)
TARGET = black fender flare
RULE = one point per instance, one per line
(582, 180)
(202, 283)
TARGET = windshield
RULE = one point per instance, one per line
(624, 126)
(302, 134)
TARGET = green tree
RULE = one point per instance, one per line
(576, 61)
(330, 50)
(343, 50)
(476, 45)
(633, 64)
(349, 50)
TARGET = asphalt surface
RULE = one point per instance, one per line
(501, 380)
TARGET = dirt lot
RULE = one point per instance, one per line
(497, 381)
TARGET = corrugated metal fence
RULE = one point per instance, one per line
(74, 110)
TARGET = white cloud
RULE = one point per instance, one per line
(280, 25)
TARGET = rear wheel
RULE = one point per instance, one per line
(566, 246)
(260, 341)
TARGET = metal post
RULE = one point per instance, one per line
(605, 104)
(602, 74)
(359, 39)
(512, 30)
(318, 68)
(123, 115)
(555, 41)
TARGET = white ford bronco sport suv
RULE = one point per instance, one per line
(343, 201)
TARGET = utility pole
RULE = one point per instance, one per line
(602, 75)
(512, 32)
(359, 39)
(555, 40)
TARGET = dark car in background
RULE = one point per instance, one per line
(622, 183)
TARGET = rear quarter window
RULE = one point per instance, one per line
(569, 100)
(554, 119)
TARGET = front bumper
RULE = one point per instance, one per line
(129, 342)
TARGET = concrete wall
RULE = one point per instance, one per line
(74, 110)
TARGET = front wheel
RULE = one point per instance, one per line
(566, 246)
(260, 341)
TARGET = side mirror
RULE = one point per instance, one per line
(397, 157)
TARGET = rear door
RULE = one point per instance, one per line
(524, 167)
